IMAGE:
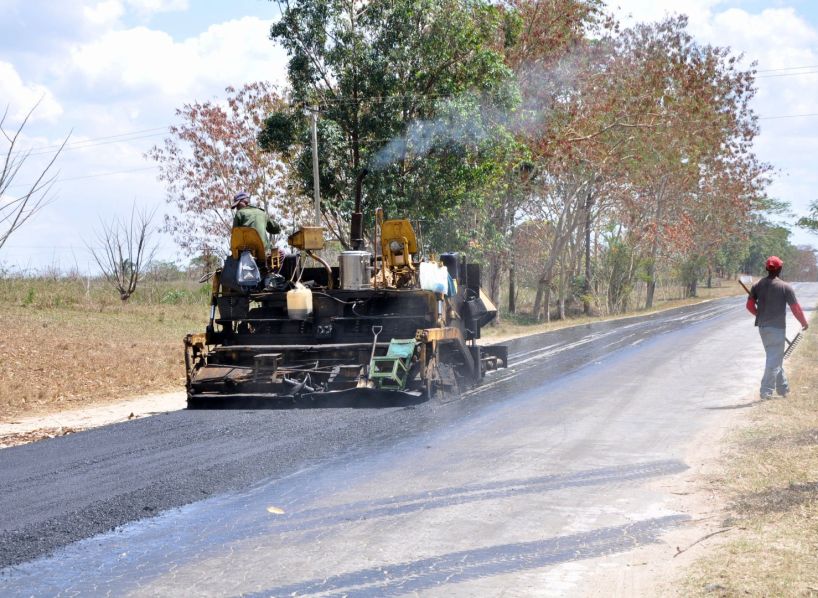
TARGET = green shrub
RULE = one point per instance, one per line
(29, 299)
(175, 297)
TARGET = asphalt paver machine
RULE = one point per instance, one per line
(381, 323)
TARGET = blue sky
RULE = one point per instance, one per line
(121, 67)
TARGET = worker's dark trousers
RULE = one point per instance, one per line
(774, 378)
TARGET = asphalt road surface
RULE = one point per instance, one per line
(550, 462)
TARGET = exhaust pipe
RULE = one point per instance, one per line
(356, 229)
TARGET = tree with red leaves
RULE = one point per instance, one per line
(211, 155)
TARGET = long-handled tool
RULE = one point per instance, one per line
(376, 330)
(746, 279)
(792, 344)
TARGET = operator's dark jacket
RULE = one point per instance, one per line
(258, 219)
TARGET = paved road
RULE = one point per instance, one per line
(547, 463)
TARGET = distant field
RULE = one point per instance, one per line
(69, 343)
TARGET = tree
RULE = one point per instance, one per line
(211, 156)
(686, 169)
(810, 222)
(542, 42)
(17, 209)
(164, 271)
(203, 265)
(646, 145)
(804, 264)
(766, 239)
(124, 250)
(409, 89)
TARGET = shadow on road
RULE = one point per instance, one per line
(455, 567)
(351, 399)
(318, 518)
(736, 406)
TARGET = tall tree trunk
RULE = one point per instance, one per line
(586, 300)
(563, 231)
(512, 282)
(651, 277)
(496, 265)
(654, 251)
(561, 297)
(538, 298)
(547, 301)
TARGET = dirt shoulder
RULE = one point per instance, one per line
(32, 428)
(752, 497)
(765, 490)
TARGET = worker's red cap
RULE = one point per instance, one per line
(773, 263)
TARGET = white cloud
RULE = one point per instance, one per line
(148, 7)
(633, 11)
(109, 12)
(139, 58)
(21, 97)
(103, 13)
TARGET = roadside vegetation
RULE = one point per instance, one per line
(70, 342)
(769, 483)
(669, 294)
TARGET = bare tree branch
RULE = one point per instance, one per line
(16, 211)
(124, 250)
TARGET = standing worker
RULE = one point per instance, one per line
(254, 217)
(768, 302)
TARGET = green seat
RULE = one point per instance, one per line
(390, 371)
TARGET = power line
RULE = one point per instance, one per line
(15, 246)
(102, 174)
(788, 116)
(94, 176)
(788, 68)
(158, 131)
(124, 138)
(92, 141)
(85, 145)
(778, 75)
(383, 140)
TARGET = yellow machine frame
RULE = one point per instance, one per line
(402, 232)
(244, 238)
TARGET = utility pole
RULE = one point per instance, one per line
(315, 185)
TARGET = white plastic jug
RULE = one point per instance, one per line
(434, 277)
(299, 302)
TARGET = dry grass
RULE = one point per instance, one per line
(63, 349)
(770, 482)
